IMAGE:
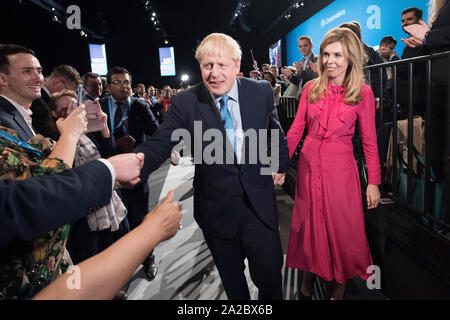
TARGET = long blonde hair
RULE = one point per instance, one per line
(434, 6)
(354, 77)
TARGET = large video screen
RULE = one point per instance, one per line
(167, 61)
(98, 59)
(378, 18)
(275, 54)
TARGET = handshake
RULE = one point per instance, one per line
(127, 167)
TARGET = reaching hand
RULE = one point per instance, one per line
(128, 167)
(75, 124)
(166, 216)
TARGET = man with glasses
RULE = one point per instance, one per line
(129, 121)
(62, 77)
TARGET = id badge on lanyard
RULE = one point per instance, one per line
(124, 114)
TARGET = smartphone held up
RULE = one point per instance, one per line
(93, 111)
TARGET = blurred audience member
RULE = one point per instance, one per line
(105, 92)
(386, 49)
(164, 100)
(387, 54)
(303, 67)
(62, 77)
(255, 74)
(140, 92)
(292, 88)
(92, 85)
(275, 86)
(151, 94)
(411, 16)
(279, 78)
(264, 68)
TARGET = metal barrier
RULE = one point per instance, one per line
(287, 110)
(423, 194)
(425, 204)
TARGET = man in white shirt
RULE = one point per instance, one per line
(21, 81)
(303, 67)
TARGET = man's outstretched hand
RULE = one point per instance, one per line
(128, 168)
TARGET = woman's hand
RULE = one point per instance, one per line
(103, 117)
(373, 196)
(74, 125)
(277, 90)
(166, 218)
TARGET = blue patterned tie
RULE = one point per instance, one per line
(227, 120)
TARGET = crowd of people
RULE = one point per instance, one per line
(70, 194)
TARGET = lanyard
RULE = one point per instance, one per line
(124, 114)
(21, 143)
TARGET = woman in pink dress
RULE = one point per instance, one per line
(328, 236)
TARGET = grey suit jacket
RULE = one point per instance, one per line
(306, 75)
(11, 118)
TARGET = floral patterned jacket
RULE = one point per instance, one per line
(27, 267)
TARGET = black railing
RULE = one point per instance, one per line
(414, 187)
(425, 192)
(286, 113)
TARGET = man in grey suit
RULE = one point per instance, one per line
(21, 81)
(304, 71)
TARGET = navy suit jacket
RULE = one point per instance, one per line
(141, 120)
(12, 119)
(34, 206)
(219, 188)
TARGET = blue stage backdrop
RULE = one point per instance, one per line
(378, 18)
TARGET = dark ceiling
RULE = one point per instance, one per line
(131, 39)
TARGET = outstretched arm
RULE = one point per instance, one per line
(102, 276)
(33, 206)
